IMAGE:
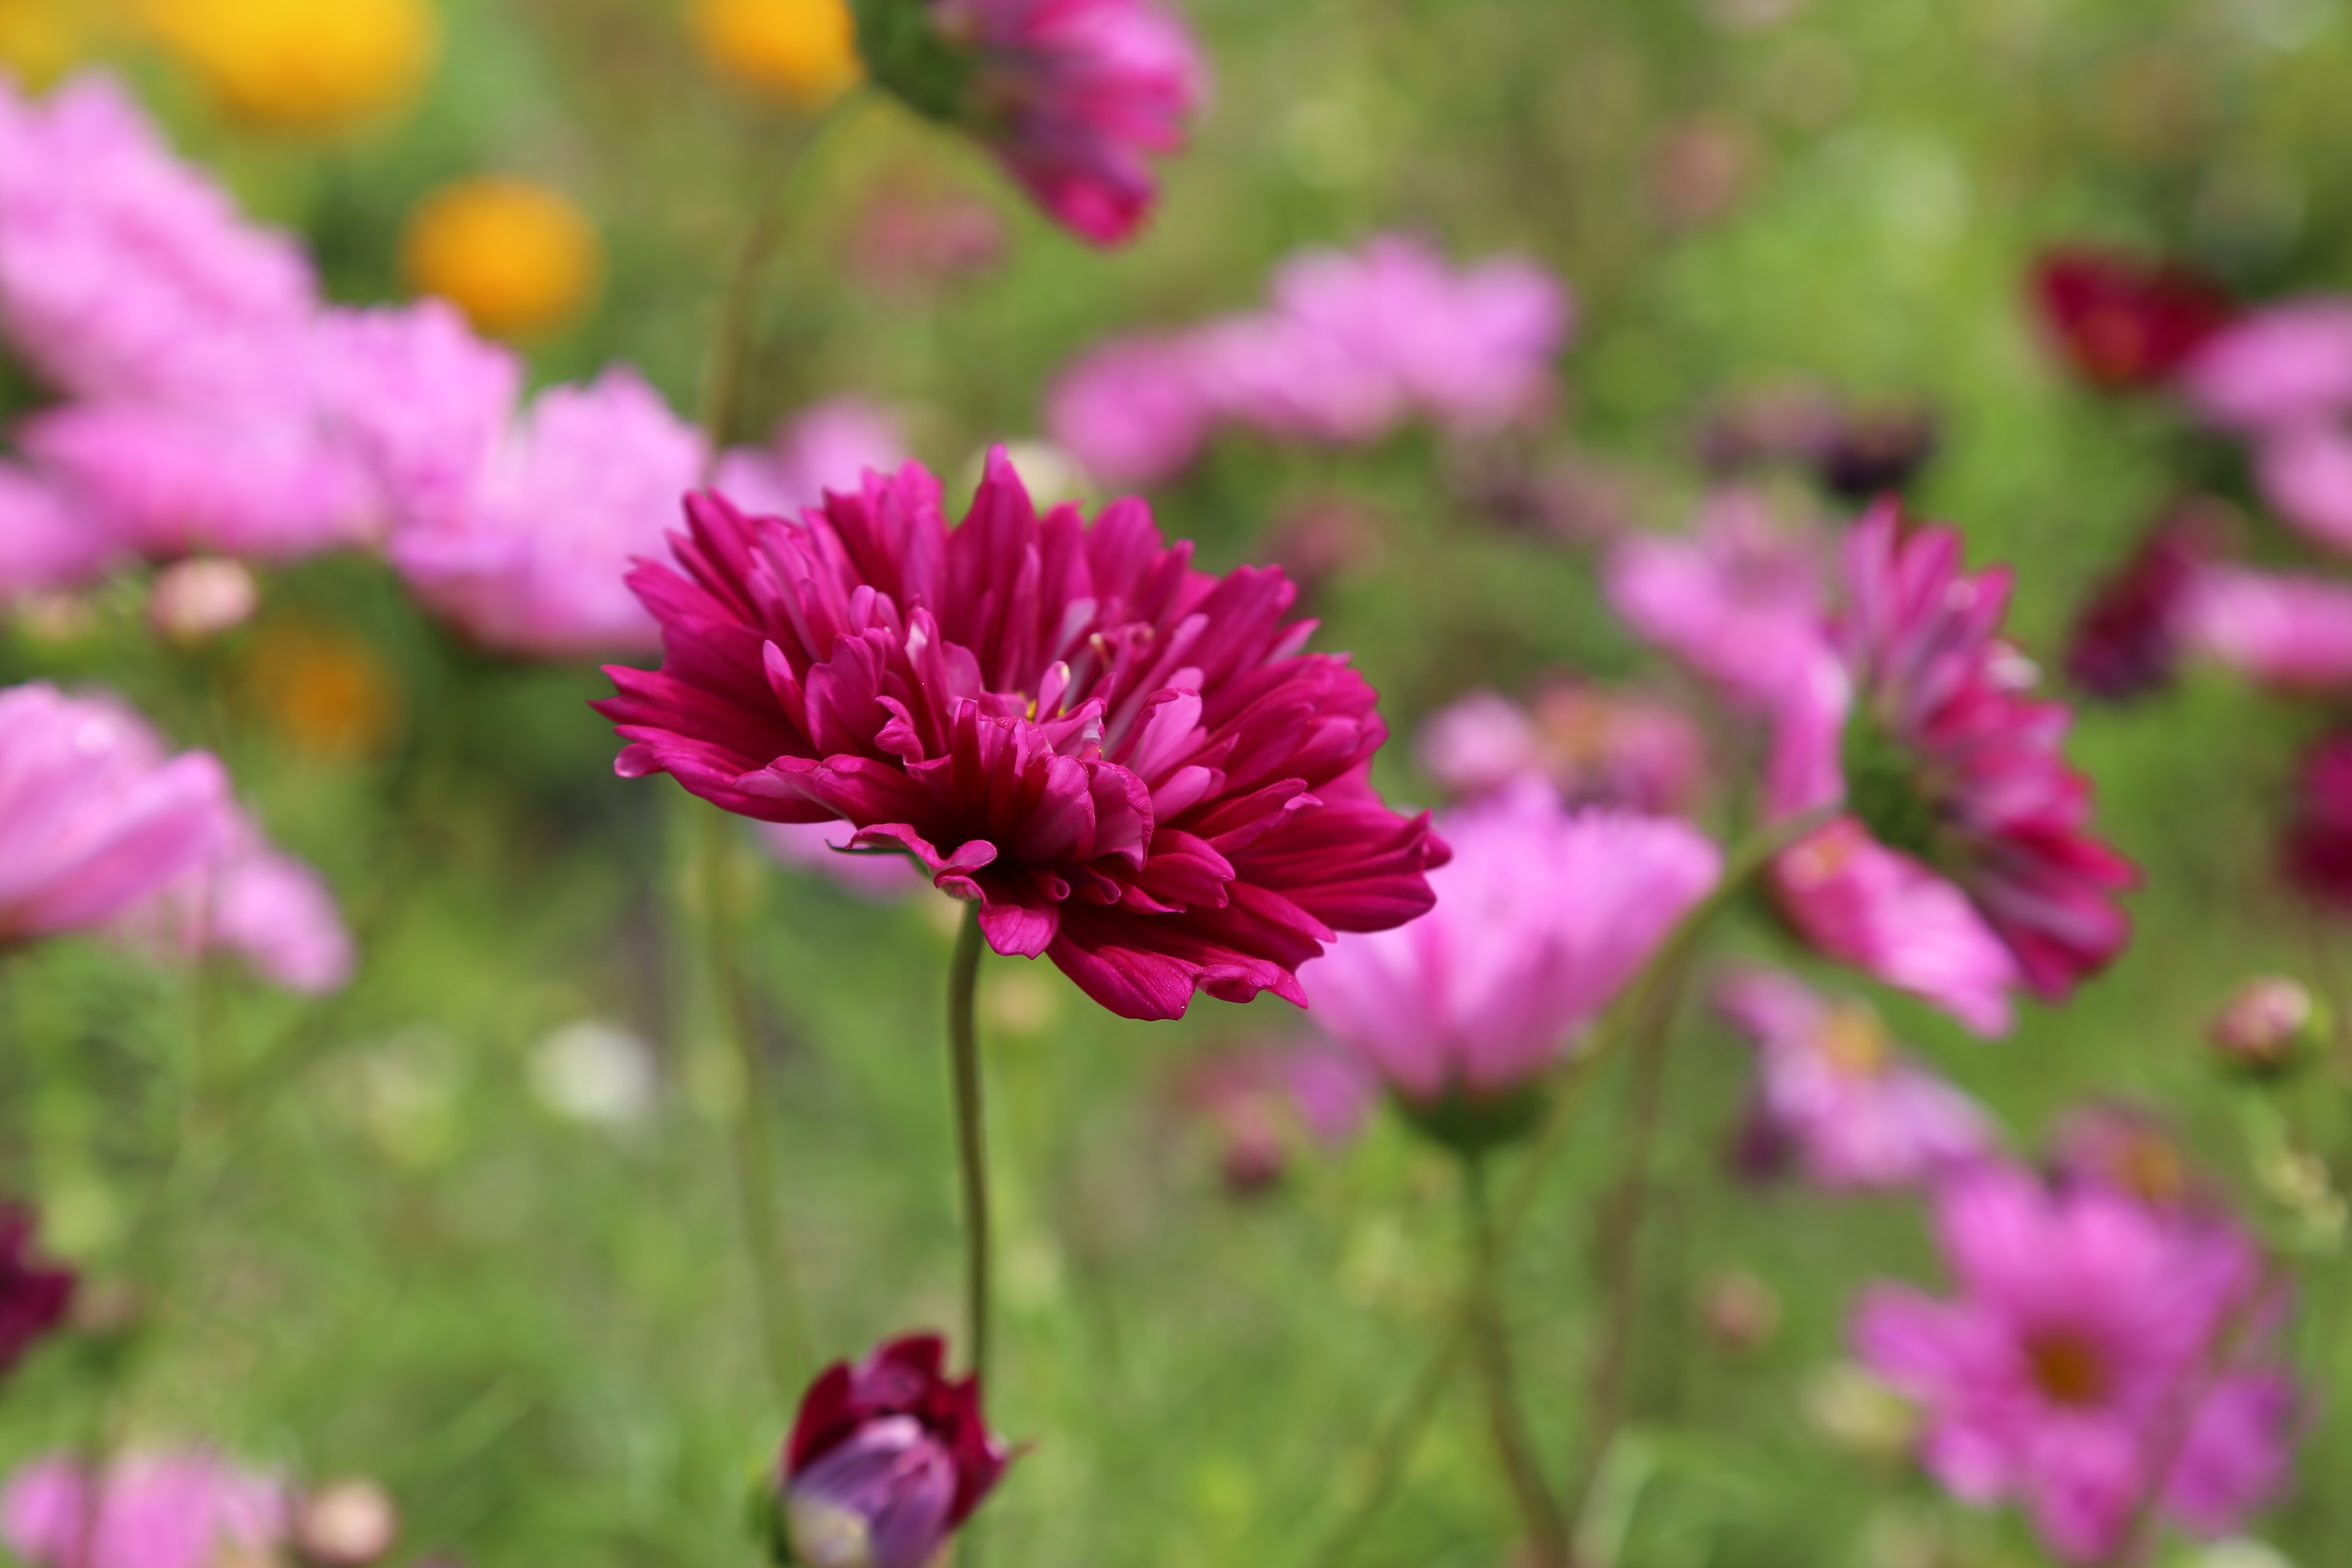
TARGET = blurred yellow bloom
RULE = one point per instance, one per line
(516, 258)
(302, 65)
(327, 694)
(40, 38)
(806, 50)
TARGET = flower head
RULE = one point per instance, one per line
(2285, 629)
(518, 258)
(1127, 762)
(247, 897)
(44, 541)
(1858, 1112)
(1543, 916)
(2128, 638)
(1952, 778)
(93, 817)
(1595, 746)
(1264, 1102)
(806, 50)
(1741, 601)
(2286, 366)
(1071, 94)
(295, 66)
(33, 1295)
(2123, 322)
(151, 1510)
(1134, 410)
(826, 447)
(887, 1460)
(2095, 1355)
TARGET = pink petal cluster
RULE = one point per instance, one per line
(2096, 1359)
(1966, 867)
(1740, 600)
(827, 446)
(1263, 1102)
(2285, 630)
(1129, 764)
(186, 1509)
(248, 898)
(94, 818)
(2282, 378)
(1542, 915)
(1595, 746)
(1856, 1113)
(1354, 344)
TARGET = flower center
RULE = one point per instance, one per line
(1854, 1042)
(1883, 788)
(2149, 1168)
(2068, 1368)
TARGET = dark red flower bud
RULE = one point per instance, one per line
(33, 1296)
(2124, 321)
(2127, 638)
(2318, 851)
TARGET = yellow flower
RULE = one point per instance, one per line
(40, 38)
(806, 50)
(302, 65)
(516, 258)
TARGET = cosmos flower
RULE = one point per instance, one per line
(93, 816)
(828, 446)
(2122, 321)
(887, 1460)
(187, 1509)
(2095, 1354)
(1264, 1102)
(518, 258)
(1134, 410)
(1073, 96)
(2127, 639)
(33, 1295)
(1543, 916)
(1952, 779)
(2285, 366)
(2285, 629)
(1595, 746)
(248, 898)
(44, 541)
(1856, 1112)
(1127, 762)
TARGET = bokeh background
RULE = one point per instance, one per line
(469, 1226)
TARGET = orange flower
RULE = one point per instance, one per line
(302, 65)
(327, 694)
(803, 50)
(518, 257)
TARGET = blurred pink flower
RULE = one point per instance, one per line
(93, 817)
(810, 846)
(188, 1510)
(1923, 730)
(536, 566)
(1739, 600)
(1479, 743)
(1595, 746)
(127, 274)
(1858, 1112)
(2096, 1354)
(2288, 364)
(2284, 630)
(829, 446)
(247, 897)
(2304, 472)
(1133, 410)
(45, 542)
(421, 404)
(1262, 1101)
(2131, 1154)
(2127, 637)
(1541, 916)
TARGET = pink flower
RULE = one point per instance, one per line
(1740, 600)
(1543, 916)
(825, 447)
(1596, 747)
(126, 275)
(821, 847)
(2130, 1153)
(1945, 766)
(93, 817)
(1858, 1113)
(1264, 1102)
(1132, 411)
(2095, 1354)
(2285, 629)
(2304, 472)
(536, 563)
(421, 404)
(1479, 745)
(187, 1509)
(1072, 95)
(2127, 637)
(1127, 762)
(2289, 365)
(44, 541)
(247, 897)
(887, 1459)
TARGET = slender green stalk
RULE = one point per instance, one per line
(783, 1331)
(971, 1137)
(1490, 1343)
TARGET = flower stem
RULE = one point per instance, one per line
(971, 1137)
(1491, 1346)
(784, 1332)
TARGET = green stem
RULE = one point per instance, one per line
(784, 1331)
(1491, 1346)
(971, 1137)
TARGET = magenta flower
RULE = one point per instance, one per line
(2095, 1355)
(2123, 321)
(887, 1459)
(827, 447)
(1951, 775)
(822, 847)
(33, 1295)
(1740, 600)
(1135, 410)
(1073, 95)
(245, 898)
(187, 1509)
(2284, 630)
(44, 541)
(537, 564)
(421, 406)
(93, 817)
(2304, 472)
(2130, 1153)
(1857, 1113)
(2317, 850)
(1595, 747)
(1543, 916)
(1263, 1102)
(2127, 637)
(1129, 764)
(2285, 366)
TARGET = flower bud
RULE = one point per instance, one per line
(886, 1461)
(195, 601)
(346, 1524)
(2266, 1025)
